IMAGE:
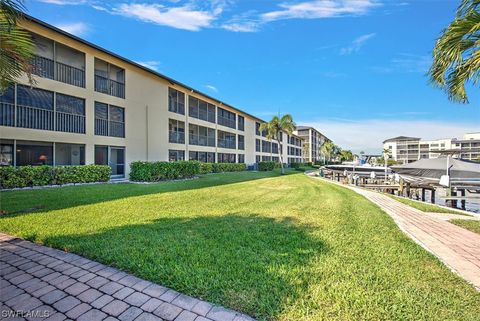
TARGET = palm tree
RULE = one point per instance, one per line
(16, 47)
(456, 56)
(328, 149)
(275, 128)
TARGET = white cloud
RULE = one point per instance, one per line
(242, 26)
(212, 88)
(368, 135)
(75, 28)
(406, 63)
(357, 44)
(320, 9)
(64, 2)
(152, 64)
(184, 17)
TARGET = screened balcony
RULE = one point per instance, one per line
(109, 120)
(56, 61)
(35, 109)
(176, 131)
(109, 79)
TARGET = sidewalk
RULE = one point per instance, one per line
(41, 283)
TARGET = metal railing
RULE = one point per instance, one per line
(101, 127)
(48, 68)
(201, 140)
(226, 143)
(36, 118)
(176, 137)
(43, 67)
(70, 123)
(70, 75)
(226, 122)
(7, 114)
(109, 86)
(116, 128)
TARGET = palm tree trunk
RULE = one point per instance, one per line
(280, 156)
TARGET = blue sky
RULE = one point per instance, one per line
(355, 69)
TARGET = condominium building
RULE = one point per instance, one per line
(312, 141)
(409, 149)
(91, 106)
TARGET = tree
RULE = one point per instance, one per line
(346, 155)
(328, 150)
(16, 46)
(275, 128)
(456, 56)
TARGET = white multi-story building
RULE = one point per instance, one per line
(409, 149)
(91, 106)
(312, 141)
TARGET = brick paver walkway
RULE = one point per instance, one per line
(41, 283)
(456, 247)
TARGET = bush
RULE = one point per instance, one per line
(158, 171)
(296, 165)
(266, 166)
(23, 176)
(206, 168)
(228, 167)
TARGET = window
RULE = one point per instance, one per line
(266, 158)
(226, 140)
(201, 136)
(266, 146)
(226, 118)
(226, 158)
(241, 142)
(205, 157)
(56, 61)
(241, 123)
(69, 154)
(112, 156)
(275, 148)
(241, 158)
(176, 101)
(275, 159)
(176, 131)
(34, 153)
(109, 79)
(70, 114)
(7, 107)
(6, 152)
(176, 155)
(258, 159)
(201, 109)
(257, 130)
(34, 108)
(258, 145)
(109, 120)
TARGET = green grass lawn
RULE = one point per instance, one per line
(275, 247)
(473, 226)
(425, 207)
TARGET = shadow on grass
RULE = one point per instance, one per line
(246, 262)
(35, 200)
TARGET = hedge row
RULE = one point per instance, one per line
(267, 166)
(28, 176)
(158, 171)
(206, 168)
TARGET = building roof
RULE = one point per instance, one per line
(128, 61)
(400, 138)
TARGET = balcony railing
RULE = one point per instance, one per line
(43, 67)
(70, 123)
(101, 127)
(226, 122)
(109, 86)
(7, 114)
(226, 143)
(47, 68)
(176, 137)
(241, 145)
(36, 118)
(117, 129)
(201, 140)
(70, 75)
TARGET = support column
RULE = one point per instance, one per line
(432, 196)
(463, 201)
(423, 194)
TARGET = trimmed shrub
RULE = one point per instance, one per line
(23, 176)
(228, 167)
(158, 171)
(266, 166)
(296, 165)
(206, 168)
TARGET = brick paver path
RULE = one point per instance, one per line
(41, 283)
(456, 247)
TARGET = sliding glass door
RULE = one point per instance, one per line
(112, 156)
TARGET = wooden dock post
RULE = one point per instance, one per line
(432, 196)
(423, 194)
(463, 201)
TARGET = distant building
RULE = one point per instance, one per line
(312, 141)
(405, 149)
